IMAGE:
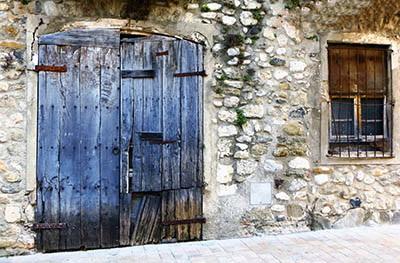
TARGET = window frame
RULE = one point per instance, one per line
(322, 157)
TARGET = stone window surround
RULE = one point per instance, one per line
(38, 24)
(357, 38)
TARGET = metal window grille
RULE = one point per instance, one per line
(361, 104)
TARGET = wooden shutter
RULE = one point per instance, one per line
(357, 69)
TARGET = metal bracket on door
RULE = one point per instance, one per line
(44, 226)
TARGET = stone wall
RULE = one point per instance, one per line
(262, 111)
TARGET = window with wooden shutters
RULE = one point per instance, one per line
(360, 124)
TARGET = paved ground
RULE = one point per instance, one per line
(363, 245)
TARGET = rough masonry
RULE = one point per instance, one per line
(262, 105)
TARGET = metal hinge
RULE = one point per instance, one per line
(184, 221)
(44, 226)
(190, 74)
(162, 53)
(51, 68)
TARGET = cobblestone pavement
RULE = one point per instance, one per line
(373, 244)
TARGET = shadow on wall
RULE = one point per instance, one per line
(132, 9)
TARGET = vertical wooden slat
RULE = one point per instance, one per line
(182, 213)
(70, 179)
(361, 72)
(151, 121)
(370, 71)
(138, 97)
(109, 143)
(189, 117)
(170, 118)
(353, 85)
(379, 70)
(50, 183)
(90, 166)
(41, 145)
(200, 67)
(344, 70)
(199, 212)
(126, 135)
(176, 88)
(334, 78)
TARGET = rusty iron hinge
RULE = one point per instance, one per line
(51, 68)
(162, 53)
(190, 74)
(184, 221)
(43, 226)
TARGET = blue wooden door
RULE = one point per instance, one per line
(78, 141)
(161, 138)
(119, 157)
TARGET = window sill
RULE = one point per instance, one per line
(335, 160)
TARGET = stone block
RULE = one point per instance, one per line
(282, 196)
(12, 214)
(272, 166)
(299, 163)
(224, 190)
(353, 218)
(260, 193)
(321, 179)
(226, 131)
(245, 167)
(293, 129)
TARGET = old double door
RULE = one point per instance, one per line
(119, 148)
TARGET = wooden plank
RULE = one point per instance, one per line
(181, 210)
(334, 78)
(153, 227)
(379, 72)
(89, 38)
(109, 143)
(190, 118)
(200, 67)
(41, 145)
(140, 221)
(153, 114)
(171, 118)
(151, 154)
(147, 228)
(137, 74)
(126, 115)
(199, 212)
(168, 214)
(124, 219)
(136, 63)
(370, 60)
(362, 72)
(344, 70)
(353, 87)
(90, 153)
(126, 135)
(70, 180)
(50, 181)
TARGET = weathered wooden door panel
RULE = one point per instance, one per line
(162, 142)
(78, 147)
